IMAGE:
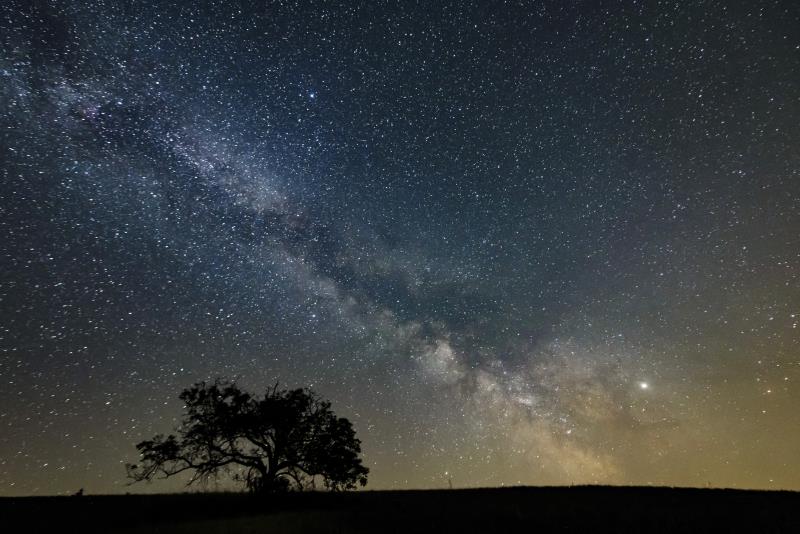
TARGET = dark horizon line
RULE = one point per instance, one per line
(561, 487)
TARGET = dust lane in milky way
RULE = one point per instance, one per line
(514, 243)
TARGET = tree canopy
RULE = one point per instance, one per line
(285, 439)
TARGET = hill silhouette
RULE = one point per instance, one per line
(518, 509)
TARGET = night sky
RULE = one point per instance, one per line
(513, 242)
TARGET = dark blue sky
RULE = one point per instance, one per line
(517, 242)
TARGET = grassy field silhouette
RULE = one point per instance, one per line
(519, 509)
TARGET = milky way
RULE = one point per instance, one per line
(513, 242)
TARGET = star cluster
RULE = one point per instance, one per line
(513, 242)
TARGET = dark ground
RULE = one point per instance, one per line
(559, 509)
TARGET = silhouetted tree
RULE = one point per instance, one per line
(287, 439)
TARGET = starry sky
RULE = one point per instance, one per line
(513, 242)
